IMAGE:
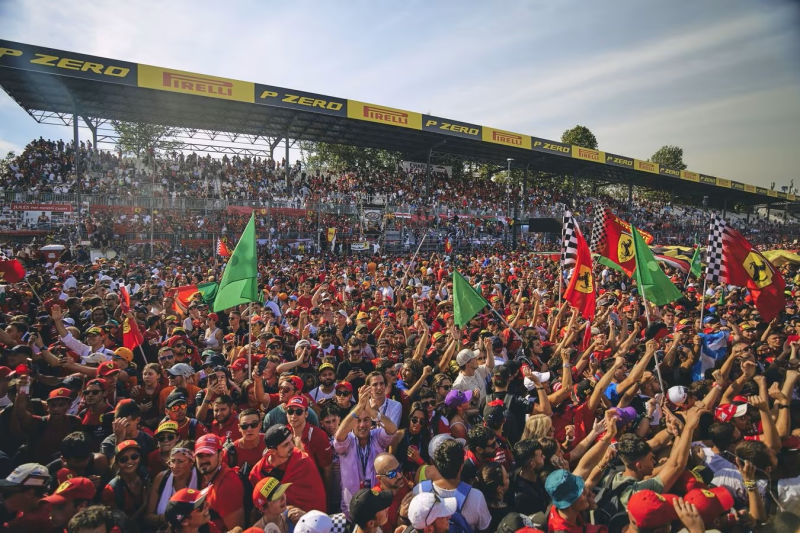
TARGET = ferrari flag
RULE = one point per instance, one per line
(733, 260)
(611, 238)
(580, 291)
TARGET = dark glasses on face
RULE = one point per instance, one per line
(126, 458)
(251, 425)
(166, 437)
(416, 420)
(177, 407)
(296, 412)
(391, 474)
(445, 387)
(91, 392)
(428, 403)
(166, 357)
(178, 345)
(286, 389)
(342, 393)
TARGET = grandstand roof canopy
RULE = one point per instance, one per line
(44, 79)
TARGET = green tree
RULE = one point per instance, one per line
(342, 157)
(139, 138)
(580, 136)
(669, 157)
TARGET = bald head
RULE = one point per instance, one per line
(385, 462)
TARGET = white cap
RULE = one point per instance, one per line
(96, 358)
(314, 522)
(465, 356)
(439, 439)
(425, 508)
(677, 394)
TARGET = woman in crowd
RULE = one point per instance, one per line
(127, 490)
(181, 474)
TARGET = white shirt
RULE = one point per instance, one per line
(391, 409)
(475, 511)
(475, 381)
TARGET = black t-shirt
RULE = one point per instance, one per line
(346, 366)
(527, 497)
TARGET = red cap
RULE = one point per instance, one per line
(60, 393)
(175, 338)
(727, 411)
(297, 401)
(296, 381)
(75, 488)
(229, 337)
(648, 509)
(4, 371)
(239, 364)
(214, 317)
(688, 480)
(710, 503)
(208, 443)
(189, 495)
(125, 445)
(107, 369)
(255, 319)
(344, 385)
(739, 399)
(102, 383)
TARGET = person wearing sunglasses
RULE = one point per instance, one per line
(181, 473)
(250, 446)
(176, 410)
(94, 407)
(166, 436)
(127, 491)
(181, 378)
(390, 477)
(314, 440)
(288, 387)
(166, 357)
(412, 450)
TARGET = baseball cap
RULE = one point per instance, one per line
(345, 385)
(728, 411)
(440, 439)
(425, 508)
(563, 487)
(26, 475)
(239, 364)
(167, 427)
(61, 393)
(297, 401)
(314, 522)
(465, 356)
(126, 445)
(267, 490)
(438, 335)
(183, 502)
(208, 443)
(94, 330)
(517, 523)
(4, 372)
(175, 397)
(106, 369)
(95, 358)
(457, 397)
(710, 503)
(647, 509)
(677, 394)
(276, 434)
(367, 503)
(75, 488)
(323, 366)
(361, 315)
(301, 343)
(124, 353)
(181, 369)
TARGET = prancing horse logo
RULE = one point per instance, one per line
(758, 270)
(625, 248)
(585, 281)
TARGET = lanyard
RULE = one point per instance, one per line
(363, 456)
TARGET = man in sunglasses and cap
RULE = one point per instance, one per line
(22, 490)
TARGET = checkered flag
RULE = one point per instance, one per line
(715, 264)
(569, 245)
(599, 228)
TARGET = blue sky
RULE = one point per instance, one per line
(720, 78)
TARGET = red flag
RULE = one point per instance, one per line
(11, 271)
(124, 299)
(746, 267)
(611, 238)
(222, 248)
(448, 246)
(587, 337)
(580, 291)
(182, 296)
(131, 336)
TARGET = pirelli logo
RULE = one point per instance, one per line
(690, 176)
(587, 154)
(645, 166)
(197, 84)
(506, 138)
(384, 115)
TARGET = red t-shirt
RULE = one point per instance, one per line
(580, 416)
(231, 428)
(317, 445)
(226, 495)
(247, 455)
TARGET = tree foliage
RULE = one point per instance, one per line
(342, 158)
(140, 139)
(580, 136)
(669, 157)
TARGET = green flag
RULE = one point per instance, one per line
(466, 300)
(652, 282)
(608, 262)
(239, 283)
(208, 291)
(696, 267)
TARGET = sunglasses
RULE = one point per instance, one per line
(391, 474)
(342, 393)
(92, 392)
(166, 437)
(428, 403)
(169, 357)
(286, 389)
(416, 420)
(445, 387)
(126, 458)
(251, 425)
(179, 345)
(177, 407)
(296, 412)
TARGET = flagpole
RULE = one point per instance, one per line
(561, 255)
(249, 340)
(702, 301)
(415, 256)
(502, 318)
(28, 283)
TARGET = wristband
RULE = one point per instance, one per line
(750, 486)
(781, 406)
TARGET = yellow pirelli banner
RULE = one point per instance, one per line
(645, 166)
(384, 115)
(507, 138)
(722, 182)
(178, 81)
(587, 154)
(690, 176)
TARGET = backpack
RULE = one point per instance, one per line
(610, 509)
(458, 524)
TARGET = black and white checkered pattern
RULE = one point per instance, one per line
(715, 264)
(569, 246)
(599, 228)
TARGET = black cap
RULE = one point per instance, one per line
(276, 434)
(494, 415)
(514, 522)
(175, 397)
(367, 503)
